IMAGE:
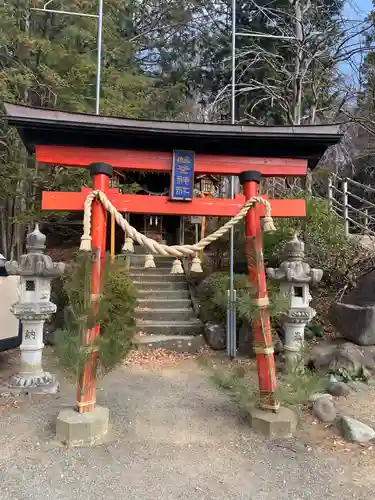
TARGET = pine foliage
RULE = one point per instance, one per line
(113, 311)
(213, 298)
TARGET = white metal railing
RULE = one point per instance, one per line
(348, 199)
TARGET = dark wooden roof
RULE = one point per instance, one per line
(61, 128)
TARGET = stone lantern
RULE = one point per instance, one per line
(295, 276)
(36, 270)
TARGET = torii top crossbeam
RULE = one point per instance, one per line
(126, 143)
(77, 139)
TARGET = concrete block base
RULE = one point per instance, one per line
(82, 429)
(280, 424)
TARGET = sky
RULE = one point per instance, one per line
(357, 8)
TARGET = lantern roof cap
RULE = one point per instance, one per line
(35, 241)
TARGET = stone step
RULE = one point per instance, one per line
(151, 271)
(160, 267)
(158, 259)
(145, 293)
(139, 249)
(145, 277)
(164, 303)
(170, 315)
(152, 285)
(191, 327)
(175, 343)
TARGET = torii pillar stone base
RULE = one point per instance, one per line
(273, 424)
(82, 429)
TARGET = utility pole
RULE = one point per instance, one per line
(231, 308)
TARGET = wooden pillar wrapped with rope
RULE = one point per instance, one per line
(262, 334)
(86, 386)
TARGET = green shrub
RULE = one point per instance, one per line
(114, 312)
(326, 245)
(212, 295)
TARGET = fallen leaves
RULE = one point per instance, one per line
(7, 402)
(142, 334)
(156, 359)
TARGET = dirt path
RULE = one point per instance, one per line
(174, 436)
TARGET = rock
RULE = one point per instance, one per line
(325, 410)
(354, 323)
(53, 328)
(354, 430)
(318, 395)
(338, 389)
(354, 317)
(333, 379)
(343, 358)
(321, 356)
(358, 386)
(215, 335)
(48, 335)
(245, 340)
(277, 343)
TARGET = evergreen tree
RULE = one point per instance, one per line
(49, 60)
(284, 77)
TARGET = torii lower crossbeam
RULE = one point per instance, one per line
(161, 205)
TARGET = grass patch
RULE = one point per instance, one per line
(235, 386)
(293, 390)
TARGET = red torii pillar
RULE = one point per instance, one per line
(102, 172)
(86, 384)
(262, 333)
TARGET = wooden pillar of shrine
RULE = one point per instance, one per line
(262, 333)
(86, 386)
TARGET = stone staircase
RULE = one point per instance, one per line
(165, 317)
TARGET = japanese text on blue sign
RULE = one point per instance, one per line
(182, 182)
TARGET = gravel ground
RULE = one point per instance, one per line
(174, 436)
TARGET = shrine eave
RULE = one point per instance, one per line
(38, 126)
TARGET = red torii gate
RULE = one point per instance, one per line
(68, 138)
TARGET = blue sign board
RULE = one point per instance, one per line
(182, 180)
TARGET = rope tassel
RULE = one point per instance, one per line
(149, 261)
(128, 246)
(268, 225)
(177, 267)
(196, 265)
(85, 243)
